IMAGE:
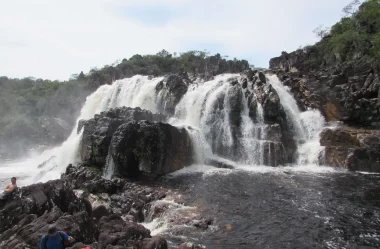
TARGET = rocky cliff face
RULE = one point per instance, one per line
(348, 92)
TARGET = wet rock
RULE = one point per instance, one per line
(79, 226)
(188, 245)
(97, 132)
(270, 101)
(100, 212)
(233, 81)
(170, 92)
(337, 137)
(155, 243)
(336, 156)
(262, 77)
(89, 179)
(37, 199)
(153, 149)
(137, 215)
(202, 224)
(219, 163)
(25, 218)
(244, 84)
(364, 160)
(114, 231)
(342, 91)
(353, 149)
(235, 97)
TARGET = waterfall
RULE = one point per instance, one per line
(138, 91)
(306, 125)
(215, 113)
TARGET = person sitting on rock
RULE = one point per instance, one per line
(55, 239)
(9, 189)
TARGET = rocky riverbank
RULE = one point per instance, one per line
(97, 212)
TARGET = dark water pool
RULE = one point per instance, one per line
(283, 209)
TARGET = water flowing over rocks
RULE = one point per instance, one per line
(239, 117)
(344, 92)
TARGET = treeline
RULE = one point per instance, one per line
(193, 62)
(21, 99)
(356, 36)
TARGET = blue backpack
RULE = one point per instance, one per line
(46, 237)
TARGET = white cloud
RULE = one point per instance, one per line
(53, 39)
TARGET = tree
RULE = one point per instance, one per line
(321, 31)
(164, 53)
(351, 8)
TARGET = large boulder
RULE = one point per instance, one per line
(154, 149)
(337, 137)
(353, 149)
(114, 231)
(82, 177)
(364, 160)
(98, 131)
(270, 101)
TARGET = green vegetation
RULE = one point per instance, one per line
(356, 36)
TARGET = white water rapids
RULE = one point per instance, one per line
(205, 108)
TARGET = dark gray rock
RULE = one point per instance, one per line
(114, 231)
(154, 149)
(170, 92)
(97, 132)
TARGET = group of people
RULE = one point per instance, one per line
(54, 239)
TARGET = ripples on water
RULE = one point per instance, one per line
(279, 208)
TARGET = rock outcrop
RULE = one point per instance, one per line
(348, 92)
(154, 149)
(353, 149)
(98, 131)
(129, 139)
(170, 92)
(279, 145)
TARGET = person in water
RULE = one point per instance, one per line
(9, 189)
(55, 239)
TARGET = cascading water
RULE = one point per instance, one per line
(215, 113)
(306, 125)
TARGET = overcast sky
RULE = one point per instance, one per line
(54, 39)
